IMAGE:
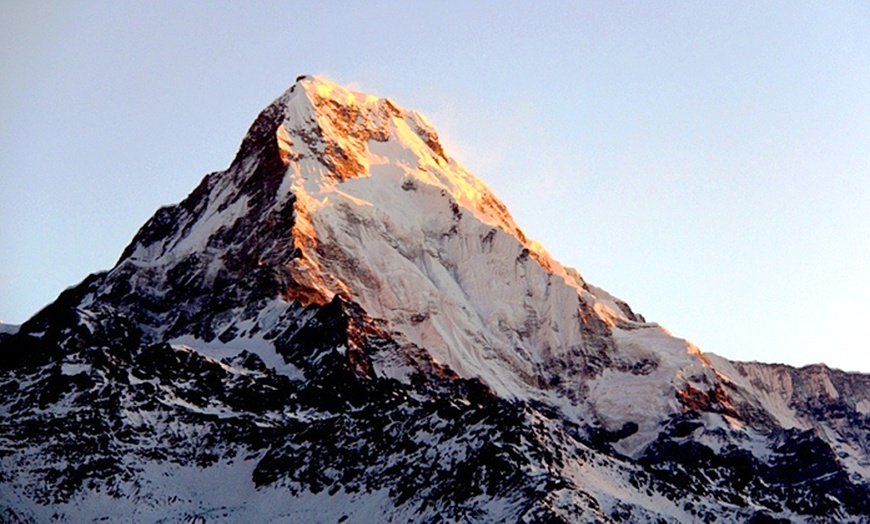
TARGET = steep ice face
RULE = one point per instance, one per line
(385, 217)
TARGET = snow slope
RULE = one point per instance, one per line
(406, 231)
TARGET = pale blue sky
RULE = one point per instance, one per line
(710, 164)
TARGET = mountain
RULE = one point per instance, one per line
(346, 325)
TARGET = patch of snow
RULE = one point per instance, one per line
(74, 369)
(224, 350)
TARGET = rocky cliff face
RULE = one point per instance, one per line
(346, 324)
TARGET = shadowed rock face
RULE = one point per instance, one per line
(347, 325)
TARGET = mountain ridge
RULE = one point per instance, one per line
(346, 310)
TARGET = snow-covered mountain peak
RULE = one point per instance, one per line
(342, 193)
(345, 324)
(385, 217)
(324, 118)
(350, 134)
(327, 134)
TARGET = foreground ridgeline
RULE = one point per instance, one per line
(346, 325)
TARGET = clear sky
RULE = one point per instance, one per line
(707, 162)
